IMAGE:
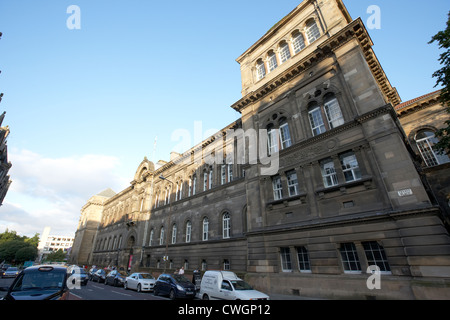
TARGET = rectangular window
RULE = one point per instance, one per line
(292, 183)
(230, 172)
(334, 114)
(260, 71)
(376, 256)
(277, 188)
(205, 181)
(286, 264)
(298, 43)
(350, 167)
(272, 140)
(350, 260)
(303, 259)
(223, 174)
(329, 173)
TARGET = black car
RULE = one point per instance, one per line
(39, 283)
(175, 286)
(116, 278)
(99, 275)
(78, 275)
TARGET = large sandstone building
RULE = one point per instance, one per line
(313, 186)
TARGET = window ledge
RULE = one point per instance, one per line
(301, 196)
(366, 181)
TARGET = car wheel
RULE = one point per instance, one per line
(205, 297)
(172, 295)
(155, 292)
(139, 288)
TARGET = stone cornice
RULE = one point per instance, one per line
(354, 30)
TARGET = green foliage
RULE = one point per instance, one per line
(443, 78)
(56, 256)
(17, 249)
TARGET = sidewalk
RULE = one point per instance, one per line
(286, 297)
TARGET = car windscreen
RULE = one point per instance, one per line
(241, 285)
(40, 280)
(181, 279)
(11, 269)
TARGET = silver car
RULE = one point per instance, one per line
(11, 272)
(140, 282)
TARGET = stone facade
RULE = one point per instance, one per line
(5, 165)
(333, 192)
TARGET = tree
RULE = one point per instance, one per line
(56, 256)
(28, 253)
(9, 249)
(443, 78)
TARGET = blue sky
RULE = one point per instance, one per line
(84, 106)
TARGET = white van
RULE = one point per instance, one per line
(226, 285)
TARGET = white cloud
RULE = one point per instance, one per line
(51, 191)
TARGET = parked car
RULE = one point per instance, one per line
(116, 278)
(226, 285)
(99, 276)
(11, 272)
(175, 286)
(140, 282)
(39, 283)
(78, 275)
(91, 273)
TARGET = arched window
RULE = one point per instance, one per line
(425, 141)
(278, 139)
(260, 70)
(152, 234)
(298, 42)
(174, 234)
(226, 219)
(188, 231)
(312, 31)
(161, 236)
(330, 110)
(285, 53)
(271, 61)
(285, 135)
(205, 231)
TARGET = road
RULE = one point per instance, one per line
(98, 291)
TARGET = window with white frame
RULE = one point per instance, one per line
(316, 119)
(161, 236)
(285, 135)
(188, 231)
(376, 256)
(260, 70)
(272, 61)
(230, 172)
(226, 219)
(272, 139)
(226, 264)
(174, 234)
(205, 230)
(425, 141)
(292, 183)
(152, 234)
(285, 53)
(303, 259)
(210, 178)
(298, 42)
(312, 31)
(223, 174)
(349, 256)
(205, 180)
(333, 111)
(277, 188)
(286, 264)
(350, 167)
(328, 173)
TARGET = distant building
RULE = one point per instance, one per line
(5, 165)
(51, 243)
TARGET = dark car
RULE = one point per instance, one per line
(78, 275)
(116, 278)
(91, 273)
(40, 283)
(99, 275)
(175, 286)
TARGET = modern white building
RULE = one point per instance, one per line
(52, 243)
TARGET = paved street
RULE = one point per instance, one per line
(100, 291)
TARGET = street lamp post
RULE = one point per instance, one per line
(166, 255)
